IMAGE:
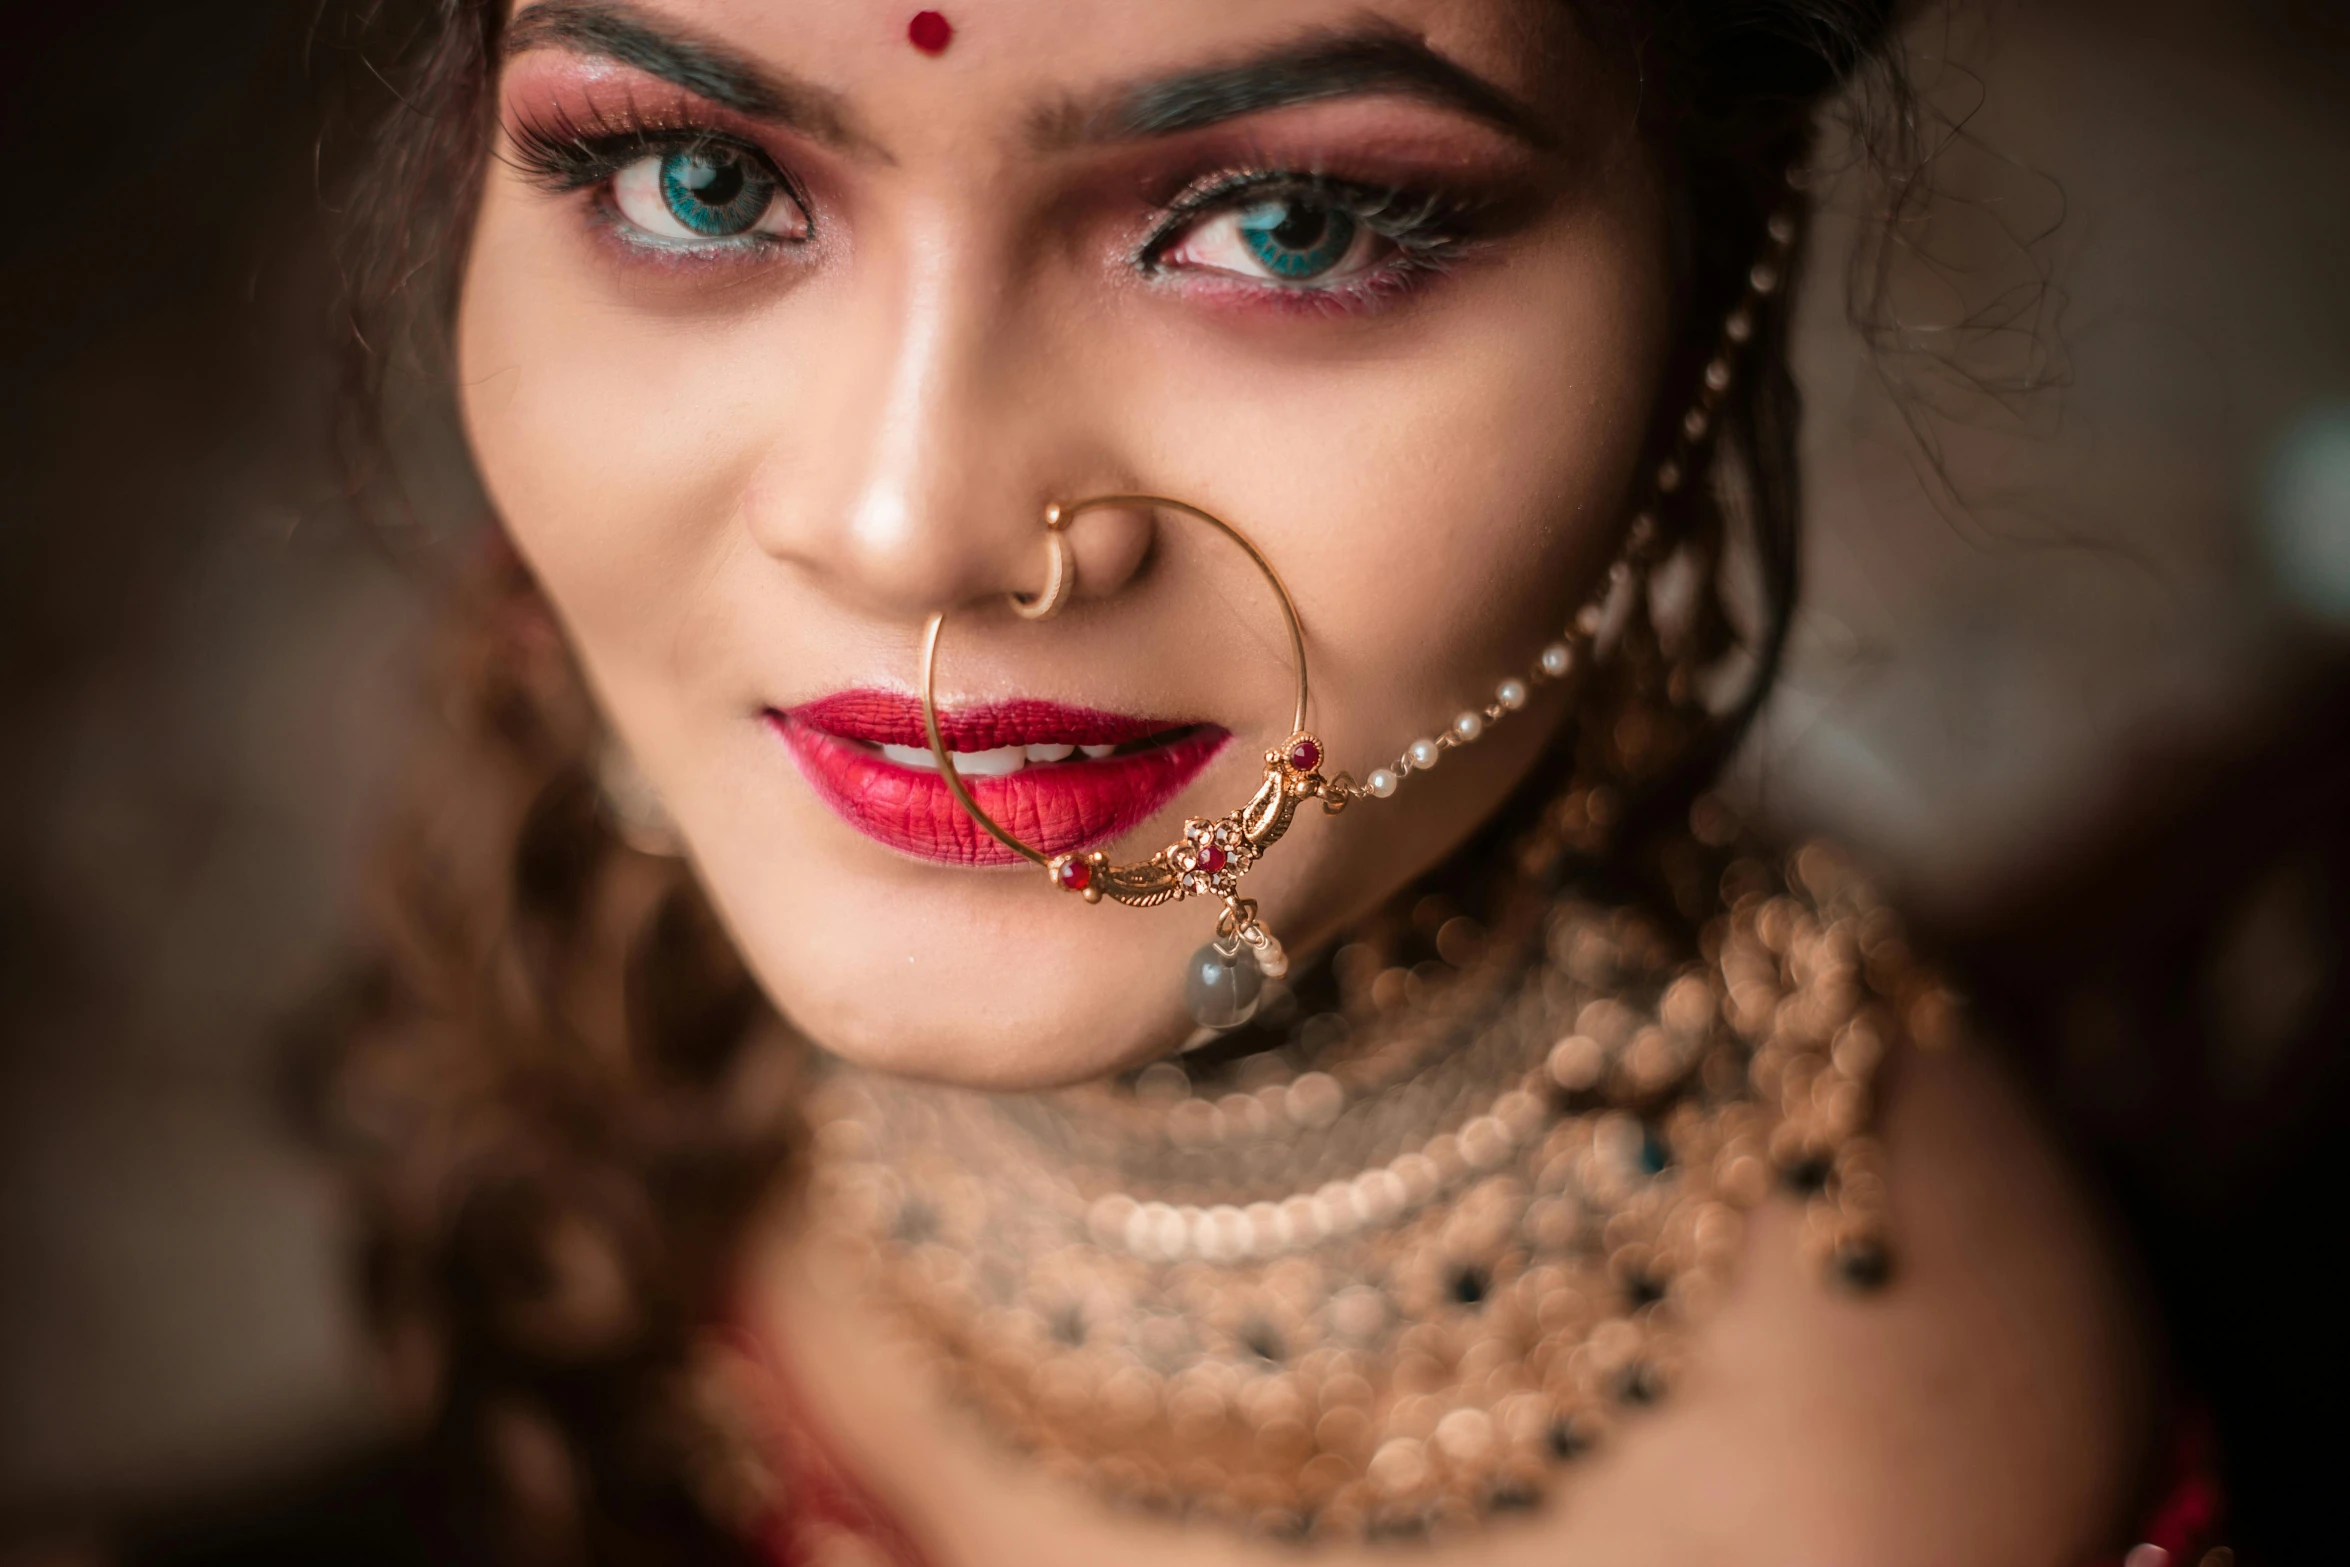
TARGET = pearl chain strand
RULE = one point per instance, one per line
(1575, 647)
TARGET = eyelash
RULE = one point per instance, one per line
(1429, 230)
(562, 156)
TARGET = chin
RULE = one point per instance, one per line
(1016, 1045)
(1057, 1052)
(983, 989)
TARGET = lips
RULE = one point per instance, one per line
(1057, 777)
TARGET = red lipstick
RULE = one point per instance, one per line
(1057, 777)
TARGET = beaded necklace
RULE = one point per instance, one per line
(1432, 1246)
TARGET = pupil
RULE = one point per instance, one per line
(712, 183)
(1301, 228)
(1297, 239)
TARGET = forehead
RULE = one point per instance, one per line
(1064, 70)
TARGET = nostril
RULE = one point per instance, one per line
(1110, 547)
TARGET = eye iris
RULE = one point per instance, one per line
(1293, 239)
(715, 192)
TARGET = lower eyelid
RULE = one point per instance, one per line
(1406, 254)
(751, 247)
(1356, 298)
(1369, 291)
(616, 225)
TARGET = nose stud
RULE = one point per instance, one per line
(1060, 576)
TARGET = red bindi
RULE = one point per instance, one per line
(930, 32)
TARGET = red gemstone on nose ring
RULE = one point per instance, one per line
(1305, 756)
(930, 32)
(1211, 858)
(1074, 875)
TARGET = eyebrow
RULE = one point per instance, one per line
(621, 33)
(1371, 57)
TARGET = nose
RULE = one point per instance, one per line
(949, 428)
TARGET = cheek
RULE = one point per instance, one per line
(1439, 508)
(602, 435)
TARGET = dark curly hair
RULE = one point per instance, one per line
(558, 1093)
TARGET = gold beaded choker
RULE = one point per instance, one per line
(1399, 1270)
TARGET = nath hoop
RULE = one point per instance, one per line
(1214, 852)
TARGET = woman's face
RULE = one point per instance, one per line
(781, 331)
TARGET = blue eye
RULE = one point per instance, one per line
(714, 191)
(1306, 239)
(706, 192)
(1296, 240)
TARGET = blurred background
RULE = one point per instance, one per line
(2074, 671)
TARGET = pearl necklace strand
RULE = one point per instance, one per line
(1603, 614)
(1332, 1316)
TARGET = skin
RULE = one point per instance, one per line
(748, 485)
(745, 481)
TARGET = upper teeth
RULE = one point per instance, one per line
(993, 763)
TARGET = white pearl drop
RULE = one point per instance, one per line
(1764, 279)
(1557, 659)
(1469, 725)
(1424, 754)
(1382, 783)
(1511, 694)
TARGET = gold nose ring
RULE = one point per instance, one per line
(1060, 576)
(1214, 852)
